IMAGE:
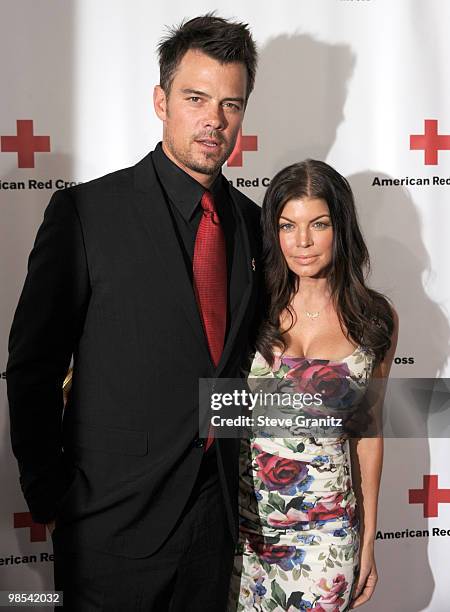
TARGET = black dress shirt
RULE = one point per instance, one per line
(183, 195)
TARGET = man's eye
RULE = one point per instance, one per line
(194, 98)
(232, 106)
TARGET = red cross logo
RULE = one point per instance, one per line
(243, 143)
(25, 144)
(430, 496)
(431, 142)
(38, 531)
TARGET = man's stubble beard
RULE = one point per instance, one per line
(188, 161)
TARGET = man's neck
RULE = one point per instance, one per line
(206, 180)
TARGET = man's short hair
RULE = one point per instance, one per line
(221, 39)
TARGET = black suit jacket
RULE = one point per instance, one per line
(107, 283)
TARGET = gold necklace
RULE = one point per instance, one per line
(312, 315)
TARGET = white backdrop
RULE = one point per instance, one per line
(346, 81)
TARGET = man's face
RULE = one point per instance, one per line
(202, 114)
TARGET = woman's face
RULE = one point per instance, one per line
(306, 236)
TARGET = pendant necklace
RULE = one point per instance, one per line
(312, 315)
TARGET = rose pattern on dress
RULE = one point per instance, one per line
(299, 522)
(320, 377)
(280, 474)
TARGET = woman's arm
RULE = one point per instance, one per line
(366, 461)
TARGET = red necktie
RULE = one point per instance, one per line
(210, 281)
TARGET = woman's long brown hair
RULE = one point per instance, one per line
(364, 314)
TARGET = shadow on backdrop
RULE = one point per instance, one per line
(296, 109)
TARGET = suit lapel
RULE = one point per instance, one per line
(153, 210)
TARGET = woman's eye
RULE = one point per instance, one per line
(285, 227)
(321, 225)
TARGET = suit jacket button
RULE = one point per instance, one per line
(198, 442)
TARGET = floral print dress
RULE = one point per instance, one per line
(299, 531)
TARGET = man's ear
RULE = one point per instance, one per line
(160, 102)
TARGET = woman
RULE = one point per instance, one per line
(307, 530)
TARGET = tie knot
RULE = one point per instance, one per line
(207, 202)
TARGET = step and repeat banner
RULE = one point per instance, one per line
(361, 84)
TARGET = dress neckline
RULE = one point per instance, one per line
(285, 355)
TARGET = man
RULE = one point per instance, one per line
(149, 278)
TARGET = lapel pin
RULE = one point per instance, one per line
(253, 264)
